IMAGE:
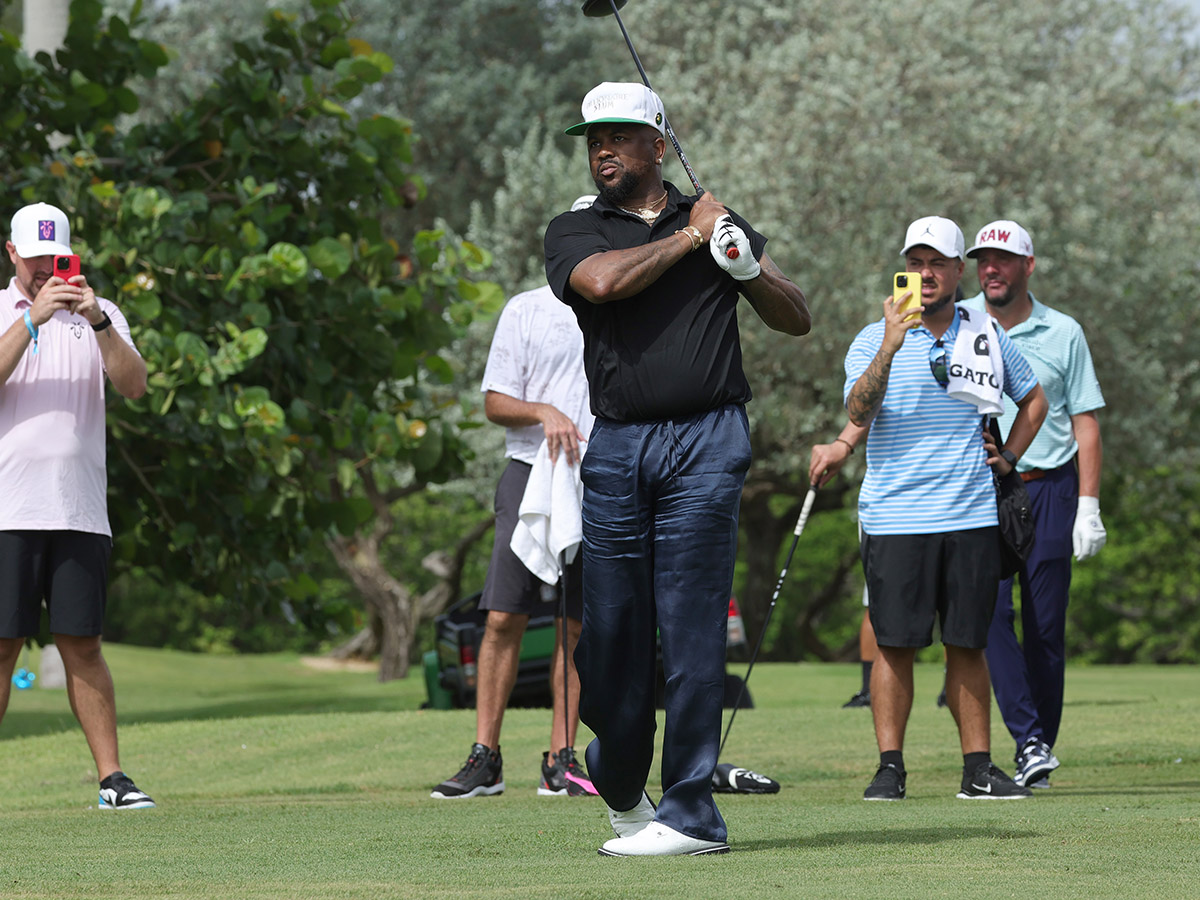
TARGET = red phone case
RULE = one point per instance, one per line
(66, 267)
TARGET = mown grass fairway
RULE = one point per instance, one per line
(276, 780)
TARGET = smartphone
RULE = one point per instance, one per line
(904, 283)
(66, 267)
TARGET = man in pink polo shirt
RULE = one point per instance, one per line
(58, 342)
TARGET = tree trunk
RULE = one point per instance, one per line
(394, 613)
(387, 601)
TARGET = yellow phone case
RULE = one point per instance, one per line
(903, 283)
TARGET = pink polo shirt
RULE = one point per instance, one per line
(52, 432)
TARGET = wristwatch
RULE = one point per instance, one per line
(1007, 456)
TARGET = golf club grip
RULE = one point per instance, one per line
(805, 510)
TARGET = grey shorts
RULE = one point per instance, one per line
(66, 569)
(510, 586)
(913, 578)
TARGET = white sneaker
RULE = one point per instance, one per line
(658, 839)
(627, 823)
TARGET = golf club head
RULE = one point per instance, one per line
(599, 8)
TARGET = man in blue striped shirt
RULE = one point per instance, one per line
(930, 543)
(1061, 469)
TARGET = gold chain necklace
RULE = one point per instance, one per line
(646, 213)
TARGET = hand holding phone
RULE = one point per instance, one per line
(906, 293)
(66, 267)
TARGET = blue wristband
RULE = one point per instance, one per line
(33, 332)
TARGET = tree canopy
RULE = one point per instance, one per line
(292, 343)
(816, 121)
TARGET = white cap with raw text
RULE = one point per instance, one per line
(1003, 234)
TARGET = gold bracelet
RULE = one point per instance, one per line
(693, 234)
(846, 442)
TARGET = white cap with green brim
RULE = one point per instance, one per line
(616, 102)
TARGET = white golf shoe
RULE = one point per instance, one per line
(657, 839)
(627, 823)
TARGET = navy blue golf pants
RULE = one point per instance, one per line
(660, 508)
(1028, 679)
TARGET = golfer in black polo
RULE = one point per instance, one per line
(649, 274)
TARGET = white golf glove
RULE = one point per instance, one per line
(1089, 535)
(725, 235)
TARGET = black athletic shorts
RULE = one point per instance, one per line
(913, 577)
(66, 569)
(510, 586)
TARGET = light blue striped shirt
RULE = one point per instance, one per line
(926, 468)
(1055, 347)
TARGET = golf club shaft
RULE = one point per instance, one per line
(562, 596)
(801, 521)
(687, 167)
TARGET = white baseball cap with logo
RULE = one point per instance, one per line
(583, 202)
(615, 102)
(41, 230)
(1003, 234)
(934, 231)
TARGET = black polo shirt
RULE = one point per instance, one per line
(671, 351)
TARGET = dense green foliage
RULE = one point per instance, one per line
(830, 132)
(292, 343)
(815, 120)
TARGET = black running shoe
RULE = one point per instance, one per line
(481, 774)
(118, 791)
(862, 698)
(578, 783)
(888, 784)
(554, 777)
(989, 783)
(729, 779)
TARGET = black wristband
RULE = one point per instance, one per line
(1008, 456)
(107, 321)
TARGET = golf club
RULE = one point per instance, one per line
(562, 601)
(599, 8)
(800, 523)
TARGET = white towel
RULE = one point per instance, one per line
(976, 370)
(550, 520)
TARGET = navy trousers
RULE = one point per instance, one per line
(1028, 679)
(660, 509)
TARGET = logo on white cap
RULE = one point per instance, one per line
(613, 101)
(1003, 234)
(937, 232)
(41, 230)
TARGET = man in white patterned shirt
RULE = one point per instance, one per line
(535, 387)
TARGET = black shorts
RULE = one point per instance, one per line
(912, 577)
(510, 586)
(66, 569)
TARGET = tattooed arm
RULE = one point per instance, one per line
(864, 399)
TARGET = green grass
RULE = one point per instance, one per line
(278, 781)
